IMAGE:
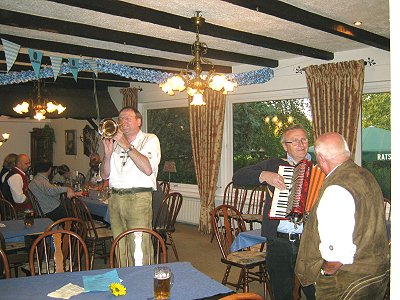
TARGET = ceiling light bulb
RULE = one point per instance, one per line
(39, 116)
(51, 107)
(60, 108)
(357, 23)
(1, 143)
(197, 99)
(218, 82)
(6, 136)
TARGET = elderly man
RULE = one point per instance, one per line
(16, 184)
(344, 248)
(130, 163)
(283, 238)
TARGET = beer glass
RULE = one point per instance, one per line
(28, 217)
(163, 281)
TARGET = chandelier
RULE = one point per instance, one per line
(4, 138)
(40, 105)
(195, 82)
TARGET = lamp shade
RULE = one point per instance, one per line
(170, 166)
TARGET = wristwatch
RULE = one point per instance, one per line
(131, 147)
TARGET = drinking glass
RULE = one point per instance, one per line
(163, 281)
(28, 217)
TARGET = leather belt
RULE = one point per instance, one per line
(292, 237)
(134, 190)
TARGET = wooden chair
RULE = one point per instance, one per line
(4, 268)
(67, 204)
(72, 224)
(388, 216)
(7, 210)
(253, 212)
(227, 223)
(95, 236)
(243, 296)
(35, 204)
(234, 196)
(17, 253)
(57, 251)
(126, 243)
(166, 218)
(165, 187)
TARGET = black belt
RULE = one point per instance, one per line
(292, 237)
(131, 190)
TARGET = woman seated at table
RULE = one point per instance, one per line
(48, 194)
(63, 176)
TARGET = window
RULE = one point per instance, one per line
(376, 147)
(171, 125)
(257, 128)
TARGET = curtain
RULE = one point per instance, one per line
(130, 97)
(206, 130)
(335, 92)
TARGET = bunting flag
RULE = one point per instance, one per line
(36, 60)
(93, 66)
(73, 64)
(11, 52)
(55, 65)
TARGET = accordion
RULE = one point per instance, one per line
(303, 182)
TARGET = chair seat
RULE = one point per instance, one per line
(245, 258)
(252, 217)
(101, 233)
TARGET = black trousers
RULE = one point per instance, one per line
(57, 213)
(281, 260)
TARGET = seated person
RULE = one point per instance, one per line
(8, 164)
(62, 176)
(93, 177)
(48, 194)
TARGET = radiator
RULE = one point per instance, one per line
(190, 211)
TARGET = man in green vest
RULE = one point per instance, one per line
(344, 249)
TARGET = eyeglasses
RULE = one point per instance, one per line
(297, 141)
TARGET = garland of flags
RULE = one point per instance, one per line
(97, 65)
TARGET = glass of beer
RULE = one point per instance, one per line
(28, 217)
(163, 281)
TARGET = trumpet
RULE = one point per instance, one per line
(108, 128)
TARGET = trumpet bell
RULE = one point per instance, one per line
(108, 128)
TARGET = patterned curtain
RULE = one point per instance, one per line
(206, 130)
(130, 97)
(335, 94)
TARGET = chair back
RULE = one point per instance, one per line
(67, 204)
(168, 212)
(243, 296)
(81, 211)
(235, 196)
(37, 210)
(7, 210)
(57, 251)
(256, 202)
(227, 223)
(127, 243)
(4, 267)
(165, 187)
(72, 224)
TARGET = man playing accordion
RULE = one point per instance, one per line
(283, 236)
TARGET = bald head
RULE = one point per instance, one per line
(331, 150)
(23, 162)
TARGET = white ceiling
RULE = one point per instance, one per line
(373, 13)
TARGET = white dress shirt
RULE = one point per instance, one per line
(336, 222)
(16, 184)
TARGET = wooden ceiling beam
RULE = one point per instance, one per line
(294, 14)
(28, 21)
(132, 11)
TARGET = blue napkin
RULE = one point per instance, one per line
(100, 282)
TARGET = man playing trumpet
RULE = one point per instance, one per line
(130, 162)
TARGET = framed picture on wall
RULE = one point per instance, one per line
(70, 142)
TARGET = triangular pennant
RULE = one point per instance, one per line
(11, 52)
(56, 65)
(93, 66)
(74, 66)
(36, 60)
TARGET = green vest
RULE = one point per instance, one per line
(369, 236)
